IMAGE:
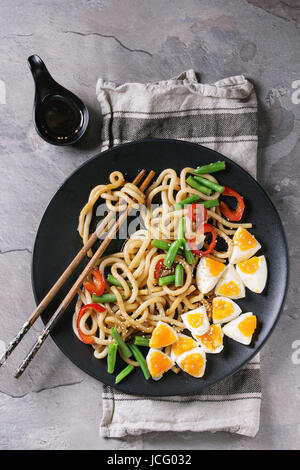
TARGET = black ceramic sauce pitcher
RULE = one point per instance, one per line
(59, 116)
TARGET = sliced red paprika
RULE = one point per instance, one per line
(87, 339)
(199, 210)
(97, 285)
(236, 214)
(204, 228)
(157, 269)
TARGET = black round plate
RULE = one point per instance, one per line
(57, 242)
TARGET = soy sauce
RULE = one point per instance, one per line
(61, 119)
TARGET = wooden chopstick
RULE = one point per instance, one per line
(62, 279)
(72, 292)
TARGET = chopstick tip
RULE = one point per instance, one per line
(147, 181)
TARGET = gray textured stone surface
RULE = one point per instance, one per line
(55, 405)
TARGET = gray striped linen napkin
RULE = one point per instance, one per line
(223, 117)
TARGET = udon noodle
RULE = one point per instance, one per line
(140, 302)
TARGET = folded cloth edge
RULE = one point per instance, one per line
(235, 87)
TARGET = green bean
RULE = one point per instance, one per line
(210, 203)
(111, 357)
(172, 252)
(140, 359)
(199, 187)
(141, 341)
(209, 184)
(166, 280)
(210, 168)
(161, 245)
(181, 229)
(112, 280)
(101, 299)
(189, 200)
(190, 258)
(122, 345)
(194, 198)
(124, 373)
(179, 275)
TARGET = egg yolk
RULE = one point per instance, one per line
(244, 240)
(229, 288)
(214, 267)
(182, 345)
(192, 364)
(195, 320)
(213, 338)
(162, 336)
(158, 363)
(248, 326)
(250, 266)
(222, 309)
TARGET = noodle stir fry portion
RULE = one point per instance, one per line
(173, 287)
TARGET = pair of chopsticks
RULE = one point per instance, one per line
(77, 284)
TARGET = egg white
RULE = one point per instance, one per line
(256, 281)
(199, 350)
(232, 331)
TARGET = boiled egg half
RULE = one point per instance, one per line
(158, 363)
(184, 343)
(212, 340)
(224, 310)
(196, 320)
(230, 285)
(241, 329)
(163, 335)
(254, 273)
(245, 245)
(193, 362)
(208, 273)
